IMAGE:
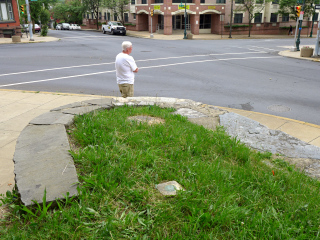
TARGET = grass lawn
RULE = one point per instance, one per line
(230, 191)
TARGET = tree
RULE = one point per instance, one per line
(93, 6)
(61, 12)
(119, 7)
(253, 8)
(69, 12)
(40, 9)
(288, 7)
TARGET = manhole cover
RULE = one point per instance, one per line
(279, 108)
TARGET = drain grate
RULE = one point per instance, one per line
(279, 108)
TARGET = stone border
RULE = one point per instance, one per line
(42, 160)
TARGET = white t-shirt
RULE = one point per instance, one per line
(125, 65)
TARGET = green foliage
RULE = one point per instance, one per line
(44, 30)
(71, 11)
(119, 7)
(289, 7)
(230, 192)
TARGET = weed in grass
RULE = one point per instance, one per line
(230, 193)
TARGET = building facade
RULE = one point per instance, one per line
(204, 16)
(9, 18)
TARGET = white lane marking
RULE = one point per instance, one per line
(82, 37)
(99, 64)
(157, 66)
(264, 48)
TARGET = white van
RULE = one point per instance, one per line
(65, 26)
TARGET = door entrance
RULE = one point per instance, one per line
(178, 22)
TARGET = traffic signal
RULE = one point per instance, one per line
(22, 8)
(298, 10)
(151, 12)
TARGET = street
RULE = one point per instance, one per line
(243, 74)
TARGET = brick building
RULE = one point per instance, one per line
(202, 16)
(9, 19)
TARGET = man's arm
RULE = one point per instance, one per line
(135, 71)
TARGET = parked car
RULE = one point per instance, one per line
(114, 28)
(37, 28)
(65, 26)
(77, 27)
(25, 27)
(58, 27)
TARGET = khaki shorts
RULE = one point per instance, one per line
(126, 90)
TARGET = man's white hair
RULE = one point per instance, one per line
(125, 45)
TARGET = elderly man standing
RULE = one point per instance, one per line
(125, 69)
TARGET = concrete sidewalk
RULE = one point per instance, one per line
(18, 108)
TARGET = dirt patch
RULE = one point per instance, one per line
(147, 119)
(4, 211)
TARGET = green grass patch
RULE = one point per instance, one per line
(230, 192)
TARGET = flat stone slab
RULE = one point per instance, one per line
(42, 161)
(262, 138)
(169, 188)
(53, 118)
(81, 110)
(190, 113)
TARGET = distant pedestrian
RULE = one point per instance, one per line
(290, 30)
(125, 69)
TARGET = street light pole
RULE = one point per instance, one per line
(29, 21)
(231, 15)
(185, 19)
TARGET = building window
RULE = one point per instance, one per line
(258, 18)
(205, 21)
(105, 16)
(115, 17)
(275, 1)
(285, 18)
(184, 1)
(238, 17)
(6, 11)
(221, 1)
(134, 16)
(100, 16)
(126, 17)
(158, 1)
(108, 16)
(316, 16)
(87, 15)
(133, 2)
(144, 2)
(274, 17)
(92, 15)
(239, 1)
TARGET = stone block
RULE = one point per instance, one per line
(42, 162)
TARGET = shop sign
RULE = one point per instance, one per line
(182, 7)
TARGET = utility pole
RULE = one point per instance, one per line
(29, 21)
(231, 15)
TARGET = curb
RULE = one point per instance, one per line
(42, 160)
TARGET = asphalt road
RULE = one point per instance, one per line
(244, 74)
